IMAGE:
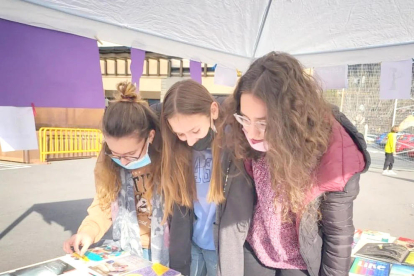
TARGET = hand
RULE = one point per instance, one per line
(76, 241)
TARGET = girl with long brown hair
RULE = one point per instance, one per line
(305, 159)
(208, 198)
(127, 176)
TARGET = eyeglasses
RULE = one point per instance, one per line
(260, 125)
(128, 158)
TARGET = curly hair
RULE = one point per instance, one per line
(297, 131)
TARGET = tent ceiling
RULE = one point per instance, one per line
(232, 32)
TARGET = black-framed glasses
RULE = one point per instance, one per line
(126, 157)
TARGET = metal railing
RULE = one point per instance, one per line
(67, 143)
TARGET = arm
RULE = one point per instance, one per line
(338, 229)
(234, 224)
(97, 223)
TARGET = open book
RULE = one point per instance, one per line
(106, 260)
(386, 252)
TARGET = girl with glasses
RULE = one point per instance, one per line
(127, 176)
(306, 159)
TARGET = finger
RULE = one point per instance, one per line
(85, 246)
(67, 245)
(77, 244)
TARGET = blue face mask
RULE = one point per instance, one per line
(142, 162)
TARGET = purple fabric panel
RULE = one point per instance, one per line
(48, 68)
(137, 65)
(195, 70)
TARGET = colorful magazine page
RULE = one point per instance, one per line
(370, 267)
(119, 266)
(408, 243)
(357, 237)
(402, 270)
(155, 270)
(49, 268)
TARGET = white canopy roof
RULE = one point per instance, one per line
(233, 32)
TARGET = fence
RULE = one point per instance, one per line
(67, 143)
(374, 117)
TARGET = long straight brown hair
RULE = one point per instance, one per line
(127, 116)
(177, 179)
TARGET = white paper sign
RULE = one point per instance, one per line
(17, 129)
(225, 76)
(396, 77)
(333, 77)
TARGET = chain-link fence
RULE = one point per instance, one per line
(374, 117)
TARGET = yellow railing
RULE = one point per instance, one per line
(69, 142)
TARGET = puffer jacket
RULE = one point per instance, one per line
(326, 245)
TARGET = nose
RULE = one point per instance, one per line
(252, 132)
(124, 161)
(191, 140)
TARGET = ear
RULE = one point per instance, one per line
(151, 136)
(214, 110)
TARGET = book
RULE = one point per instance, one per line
(49, 268)
(375, 236)
(357, 237)
(155, 270)
(119, 266)
(401, 270)
(369, 267)
(408, 243)
(409, 260)
(386, 252)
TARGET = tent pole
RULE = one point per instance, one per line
(395, 112)
(259, 35)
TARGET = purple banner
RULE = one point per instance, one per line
(48, 68)
(137, 65)
(195, 70)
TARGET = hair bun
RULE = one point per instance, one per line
(126, 91)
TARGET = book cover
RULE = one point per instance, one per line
(387, 252)
(408, 243)
(155, 270)
(357, 237)
(375, 236)
(402, 270)
(370, 267)
(410, 259)
(50, 268)
(120, 266)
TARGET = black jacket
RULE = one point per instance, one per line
(326, 245)
(230, 228)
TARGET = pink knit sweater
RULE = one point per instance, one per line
(274, 243)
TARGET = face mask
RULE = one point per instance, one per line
(205, 142)
(262, 146)
(144, 161)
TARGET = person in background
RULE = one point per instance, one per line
(389, 151)
(127, 176)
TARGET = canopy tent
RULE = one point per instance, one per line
(233, 32)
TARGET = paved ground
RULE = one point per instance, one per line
(402, 161)
(42, 205)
